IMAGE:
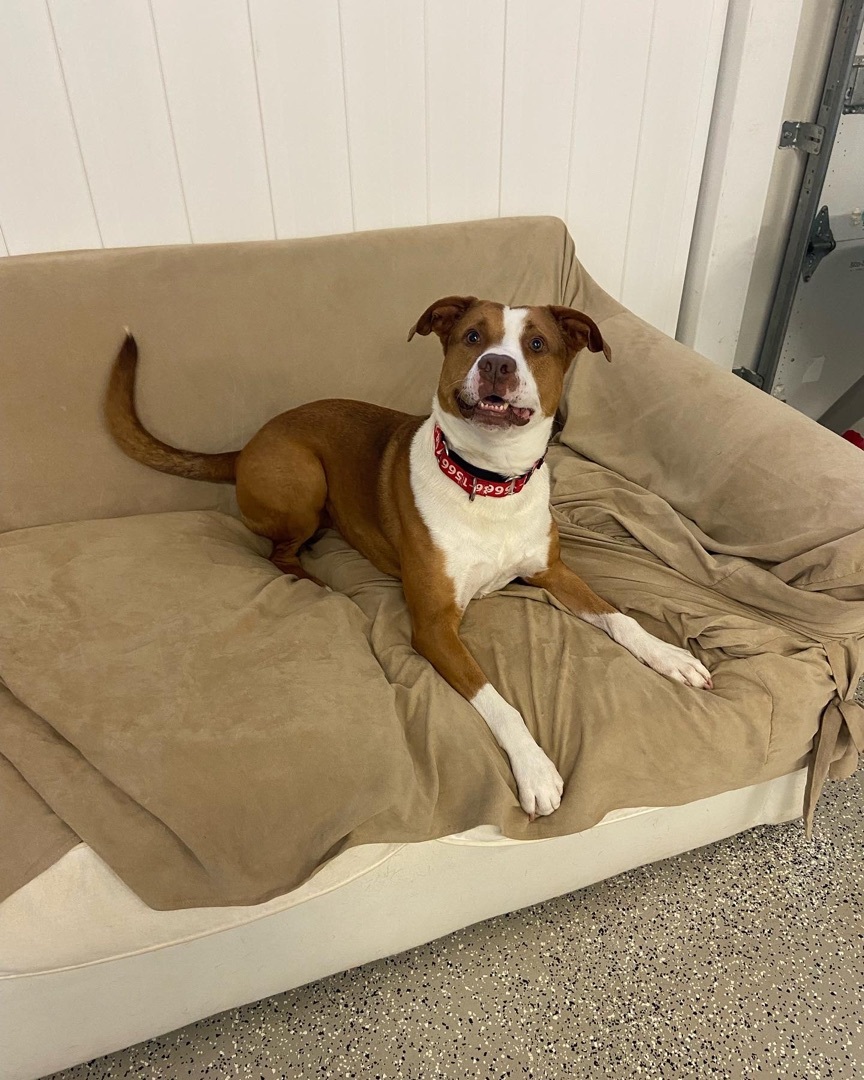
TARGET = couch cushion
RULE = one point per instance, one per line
(45, 926)
(754, 477)
(169, 683)
(215, 731)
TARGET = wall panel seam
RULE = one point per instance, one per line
(573, 103)
(505, 37)
(73, 122)
(426, 108)
(345, 112)
(261, 118)
(626, 258)
(170, 121)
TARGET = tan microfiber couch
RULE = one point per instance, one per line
(219, 782)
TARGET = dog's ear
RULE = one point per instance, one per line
(578, 330)
(441, 316)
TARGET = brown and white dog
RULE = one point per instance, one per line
(455, 504)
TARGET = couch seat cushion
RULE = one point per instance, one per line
(216, 731)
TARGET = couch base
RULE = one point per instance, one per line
(58, 1018)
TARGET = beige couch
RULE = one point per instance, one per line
(219, 782)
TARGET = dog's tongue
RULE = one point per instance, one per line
(523, 414)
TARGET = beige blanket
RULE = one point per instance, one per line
(216, 731)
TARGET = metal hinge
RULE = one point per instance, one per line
(853, 99)
(820, 243)
(802, 136)
(749, 376)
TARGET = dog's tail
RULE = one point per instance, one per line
(137, 442)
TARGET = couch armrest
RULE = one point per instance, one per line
(757, 478)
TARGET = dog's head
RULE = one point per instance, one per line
(504, 367)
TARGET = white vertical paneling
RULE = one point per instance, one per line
(607, 118)
(167, 120)
(209, 72)
(44, 200)
(112, 70)
(464, 81)
(748, 111)
(686, 40)
(383, 51)
(542, 44)
(299, 60)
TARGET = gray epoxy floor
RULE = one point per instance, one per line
(743, 959)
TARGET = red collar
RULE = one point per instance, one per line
(474, 480)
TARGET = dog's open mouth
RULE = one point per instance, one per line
(494, 411)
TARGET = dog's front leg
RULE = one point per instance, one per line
(670, 660)
(435, 629)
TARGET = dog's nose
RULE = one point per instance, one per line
(495, 366)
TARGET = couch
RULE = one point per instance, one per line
(219, 782)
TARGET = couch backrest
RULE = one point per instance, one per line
(230, 335)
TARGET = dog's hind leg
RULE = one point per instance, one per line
(281, 496)
(286, 560)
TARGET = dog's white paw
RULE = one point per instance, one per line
(670, 660)
(540, 786)
(677, 664)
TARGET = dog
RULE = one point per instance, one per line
(455, 504)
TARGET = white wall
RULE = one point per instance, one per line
(129, 122)
(748, 111)
(773, 67)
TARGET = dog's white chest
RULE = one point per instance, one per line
(485, 543)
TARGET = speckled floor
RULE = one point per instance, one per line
(744, 959)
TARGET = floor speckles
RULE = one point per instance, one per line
(744, 959)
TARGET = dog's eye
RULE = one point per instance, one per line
(537, 344)
(472, 337)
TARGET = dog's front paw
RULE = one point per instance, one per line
(677, 664)
(540, 786)
(670, 660)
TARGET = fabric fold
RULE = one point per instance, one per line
(840, 739)
(216, 732)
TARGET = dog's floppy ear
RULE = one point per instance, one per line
(578, 331)
(441, 316)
